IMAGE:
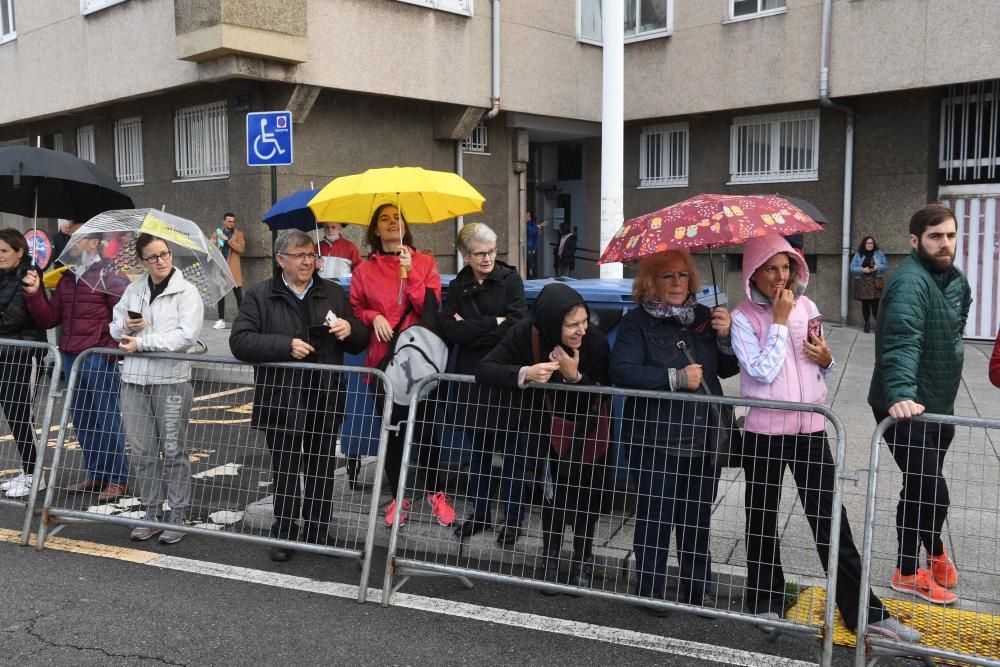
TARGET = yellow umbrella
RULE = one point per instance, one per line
(52, 277)
(422, 195)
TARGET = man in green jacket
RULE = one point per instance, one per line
(918, 368)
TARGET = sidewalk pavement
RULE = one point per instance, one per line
(848, 384)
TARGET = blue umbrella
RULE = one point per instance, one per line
(292, 212)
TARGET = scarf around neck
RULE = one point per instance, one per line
(684, 313)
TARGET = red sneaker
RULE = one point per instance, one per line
(922, 585)
(944, 571)
(441, 508)
(390, 513)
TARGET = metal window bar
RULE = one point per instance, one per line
(7, 18)
(970, 145)
(206, 441)
(85, 149)
(29, 381)
(478, 141)
(663, 155)
(967, 488)
(128, 151)
(780, 147)
(201, 141)
(458, 423)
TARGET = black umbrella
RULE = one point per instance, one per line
(52, 184)
(807, 207)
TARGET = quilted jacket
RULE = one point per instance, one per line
(918, 338)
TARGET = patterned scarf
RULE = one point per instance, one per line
(683, 313)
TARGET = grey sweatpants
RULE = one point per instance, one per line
(156, 418)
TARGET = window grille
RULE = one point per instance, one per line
(970, 132)
(774, 147)
(201, 141)
(663, 155)
(85, 143)
(128, 151)
(478, 141)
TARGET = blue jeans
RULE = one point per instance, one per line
(97, 418)
(675, 492)
(484, 443)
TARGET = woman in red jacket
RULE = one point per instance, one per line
(995, 363)
(388, 292)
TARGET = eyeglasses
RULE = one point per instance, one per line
(301, 256)
(480, 256)
(680, 276)
(163, 256)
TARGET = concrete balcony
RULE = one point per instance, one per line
(268, 30)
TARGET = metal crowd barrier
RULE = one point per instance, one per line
(196, 445)
(534, 489)
(967, 631)
(29, 378)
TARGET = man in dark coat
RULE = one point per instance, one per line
(485, 300)
(298, 316)
(565, 251)
(918, 367)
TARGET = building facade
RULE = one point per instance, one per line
(720, 96)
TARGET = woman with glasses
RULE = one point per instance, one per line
(159, 313)
(485, 300)
(667, 438)
(389, 292)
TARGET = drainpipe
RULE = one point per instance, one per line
(460, 220)
(496, 61)
(824, 100)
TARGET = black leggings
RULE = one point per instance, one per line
(869, 309)
(16, 394)
(428, 451)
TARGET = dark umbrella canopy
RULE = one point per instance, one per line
(292, 212)
(807, 207)
(67, 186)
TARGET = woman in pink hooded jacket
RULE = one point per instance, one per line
(778, 339)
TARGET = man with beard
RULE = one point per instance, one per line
(918, 367)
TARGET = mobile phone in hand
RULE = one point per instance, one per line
(134, 315)
(816, 327)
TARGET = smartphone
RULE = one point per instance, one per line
(816, 326)
(134, 315)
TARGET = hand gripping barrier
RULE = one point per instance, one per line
(170, 445)
(29, 377)
(479, 449)
(935, 484)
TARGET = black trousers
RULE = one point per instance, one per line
(809, 458)
(16, 394)
(238, 293)
(428, 450)
(919, 449)
(574, 496)
(869, 309)
(311, 451)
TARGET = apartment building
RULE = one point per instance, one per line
(720, 96)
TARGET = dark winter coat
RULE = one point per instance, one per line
(645, 348)
(83, 312)
(15, 321)
(918, 338)
(567, 258)
(501, 294)
(263, 331)
(501, 366)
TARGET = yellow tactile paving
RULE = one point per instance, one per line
(969, 632)
(82, 547)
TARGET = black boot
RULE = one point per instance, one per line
(867, 327)
(581, 572)
(551, 571)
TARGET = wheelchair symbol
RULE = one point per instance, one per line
(266, 138)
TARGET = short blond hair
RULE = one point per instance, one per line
(644, 285)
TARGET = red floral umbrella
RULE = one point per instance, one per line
(705, 222)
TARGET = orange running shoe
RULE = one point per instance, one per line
(944, 570)
(441, 508)
(922, 585)
(390, 513)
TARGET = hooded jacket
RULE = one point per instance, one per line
(918, 337)
(502, 365)
(375, 290)
(82, 311)
(773, 364)
(263, 331)
(501, 294)
(342, 248)
(175, 318)
(645, 349)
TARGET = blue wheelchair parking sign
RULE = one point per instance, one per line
(269, 138)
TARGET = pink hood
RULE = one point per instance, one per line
(758, 250)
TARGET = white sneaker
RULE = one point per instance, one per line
(20, 486)
(219, 324)
(10, 482)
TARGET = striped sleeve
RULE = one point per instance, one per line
(762, 363)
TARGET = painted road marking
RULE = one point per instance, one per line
(560, 626)
(228, 392)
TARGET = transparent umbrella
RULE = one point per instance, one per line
(194, 255)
